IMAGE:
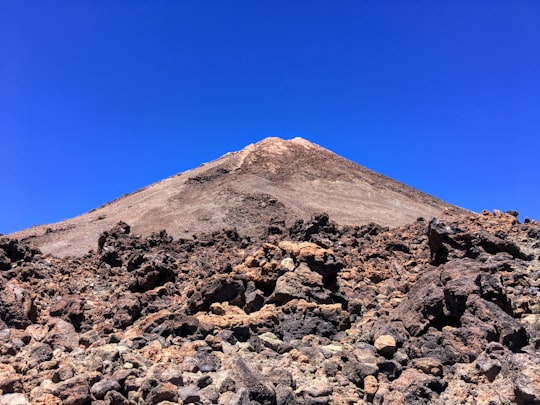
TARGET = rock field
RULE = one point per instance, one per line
(442, 311)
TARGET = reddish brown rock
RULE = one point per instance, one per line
(62, 335)
(371, 385)
(17, 308)
(74, 391)
(385, 345)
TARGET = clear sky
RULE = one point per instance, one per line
(100, 98)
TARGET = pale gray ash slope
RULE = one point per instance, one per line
(274, 178)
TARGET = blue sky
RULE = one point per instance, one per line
(100, 98)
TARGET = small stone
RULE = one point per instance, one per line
(131, 384)
(5, 335)
(87, 338)
(214, 342)
(356, 371)
(73, 391)
(101, 388)
(13, 399)
(371, 385)
(61, 374)
(165, 372)
(189, 395)
(122, 374)
(271, 341)
(204, 381)
(115, 398)
(62, 335)
(385, 345)
(190, 365)
(257, 385)
(217, 309)
(401, 357)
(320, 390)
(428, 365)
(40, 352)
(330, 367)
(285, 395)
(288, 263)
(489, 367)
(331, 350)
(254, 301)
(209, 395)
(163, 392)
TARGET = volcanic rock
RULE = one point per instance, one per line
(385, 345)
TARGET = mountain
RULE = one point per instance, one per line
(272, 180)
(260, 300)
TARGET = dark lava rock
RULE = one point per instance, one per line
(101, 388)
(254, 382)
(315, 313)
(217, 289)
(69, 308)
(127, 311)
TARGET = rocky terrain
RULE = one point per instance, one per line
(273, 178)
(442, 311)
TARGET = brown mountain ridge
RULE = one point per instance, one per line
(273, 179)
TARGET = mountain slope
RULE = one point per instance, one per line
(272, 179)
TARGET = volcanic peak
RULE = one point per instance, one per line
(279, 145)
(274, 179)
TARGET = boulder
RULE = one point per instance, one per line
(14, 399)
(302, 283)
(74, 391)
(128, 310)
(371, 385)
(17, 309)
(101, 388)
(70, 309)
(254, 383)
(62, 335)
(217, 289)
(385, 345)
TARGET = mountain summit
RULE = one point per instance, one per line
(273, 179)
(303, 312)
